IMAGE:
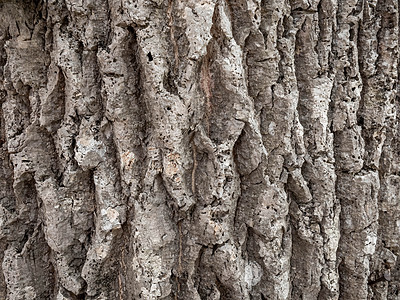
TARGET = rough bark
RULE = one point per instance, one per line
(199, 149)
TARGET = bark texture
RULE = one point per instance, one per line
(199, 149)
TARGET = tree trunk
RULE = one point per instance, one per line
(199, 149)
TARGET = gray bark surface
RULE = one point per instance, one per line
(199, 149)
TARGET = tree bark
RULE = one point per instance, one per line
(199, 149)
